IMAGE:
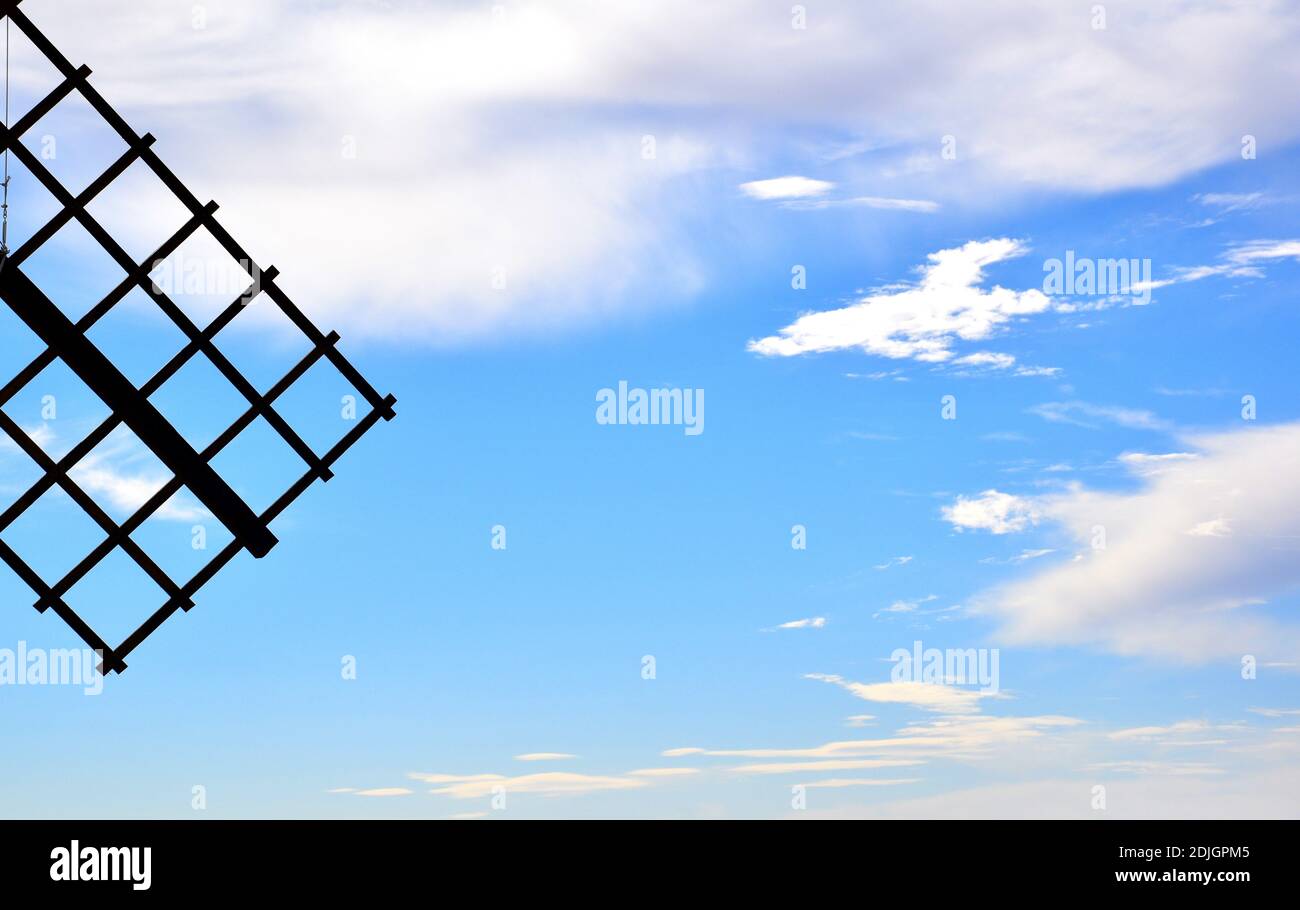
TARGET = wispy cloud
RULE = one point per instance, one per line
(904, 606)
(1161, 768)
(983, 363)
(962, 736)
(1182, 733)
(923, 206)
(663, 772)
(840, 782)
(830, 764)
(1242, 260)
(1275, 712)
(551, 783)
(813, 622)
(1090, 416)
(893, 562)
(1230, 202)
(927, 696)
(1022, 557)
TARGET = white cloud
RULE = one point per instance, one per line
(1160, 768)
(894, 561)
(1215, 527)
(384, 791)
(921, 321)
(1156, 590)
(993, 511)
(127, 493)
(1241, 260)
(905, 606)
(840, 782)
(515, 141)
(786, 188)
(553, 783)
(1275, 712)
(900, 606)
(989, 359)
(1230, 202)
(544, 756)
(815, 622)
(927, 696)
(988, 362)
(1264, 251)
(901, 205)
(663, 772)
(896, 375)
(1145, 463)
(884, 203)
(41, 434)
(1177, 734)
(963, 736)
(1022, 557)
(454, 778)
(833, 764)
(122, 475)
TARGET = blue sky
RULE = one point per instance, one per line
(519, 153)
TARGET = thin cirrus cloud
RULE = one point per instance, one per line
(1240, 260)
(960, 736)
(841, 782)
(830, 764)
(935, 697)
(1181, 568)
(1090, 416)
(812, 622)
(922, 321)
(663, 772)
(1230, 202)
(892, 562)
(551, 783)
(544, 756)
(1184, 733)
(883, 203)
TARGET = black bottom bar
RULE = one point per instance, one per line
(975, 862)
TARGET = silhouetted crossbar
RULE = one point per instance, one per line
(68, 341)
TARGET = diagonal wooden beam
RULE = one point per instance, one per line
(116, 391)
